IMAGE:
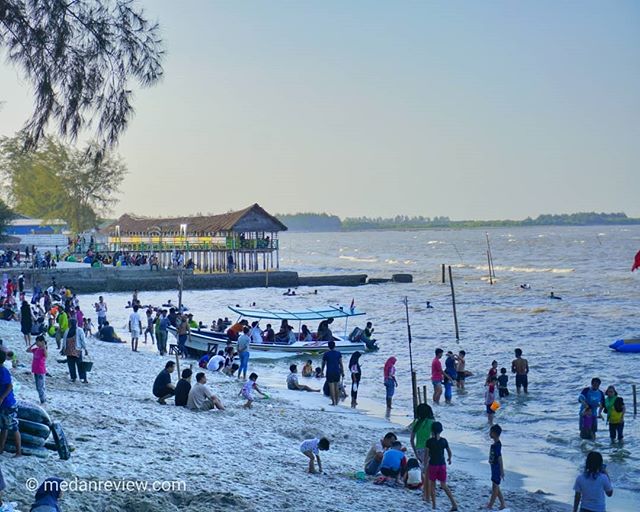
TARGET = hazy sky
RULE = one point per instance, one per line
(460, 108)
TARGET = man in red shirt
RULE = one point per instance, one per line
(437, 376)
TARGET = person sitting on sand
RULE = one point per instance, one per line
(307, 369)
(311, 448)
(183, 387)
(162, 386)
(319, 373)
(201, 398)
(216, 363)
(248, 388)
(394, 462)
(376, 452)
(413, 476)
(292, 381)
(108, 334)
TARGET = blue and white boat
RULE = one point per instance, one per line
(203, 340)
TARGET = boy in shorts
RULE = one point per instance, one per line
(436, 468)
(497, 469)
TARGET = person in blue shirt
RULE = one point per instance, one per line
(592, 485)
(393, 462)
(8, 408)
(332, 360)
(594, 398)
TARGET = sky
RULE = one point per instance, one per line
(472, 110)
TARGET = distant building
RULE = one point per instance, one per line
(248, 237)
(43, 234)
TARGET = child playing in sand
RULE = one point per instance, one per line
(248, 388)
(586, 424)
(497, 469)
(88, 327)
(319, 373)
(503, 379)
(311, 448)
(413, 476)
(307, 369)
(39, 366)
(436, 467)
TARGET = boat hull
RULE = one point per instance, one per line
(203, 340)
(628, 345)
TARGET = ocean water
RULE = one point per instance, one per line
(566, 342)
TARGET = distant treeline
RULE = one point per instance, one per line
(311, 222)
(326, 222)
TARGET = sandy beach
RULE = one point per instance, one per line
(232, 460)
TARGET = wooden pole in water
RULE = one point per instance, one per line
(414, 384)
(443, 276)
(635, 400)
(489, 263)
(453, 301)
(492, 270)
(424, 392)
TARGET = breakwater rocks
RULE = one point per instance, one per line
(125, 279)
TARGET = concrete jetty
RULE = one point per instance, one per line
(126, 279)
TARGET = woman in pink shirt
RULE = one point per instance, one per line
(39, 366)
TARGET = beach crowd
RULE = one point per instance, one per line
(55, 315)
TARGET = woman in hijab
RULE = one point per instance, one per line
(26, 322)
(356, 374)
(47, 496)
(390, 381)
(72, 346)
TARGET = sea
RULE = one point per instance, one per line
(565, 341)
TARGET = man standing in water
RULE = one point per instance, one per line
(520, 367)
(332, 360)
(592, 397)
(437, 376)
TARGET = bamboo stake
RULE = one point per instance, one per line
(443, 276)
(424, 392)
(635, 400)
(489, 263)
(453, 302)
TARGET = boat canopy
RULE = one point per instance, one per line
(307, 314)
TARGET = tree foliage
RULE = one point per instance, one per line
(80, 57)
(6, 215)
(55, 181)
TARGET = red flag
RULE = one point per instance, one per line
(636, 262)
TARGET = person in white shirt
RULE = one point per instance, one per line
(201, 398)
(255, 333)
(216, 363)
(135, 328)
(101, 310)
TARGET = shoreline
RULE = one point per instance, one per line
(250, 456)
